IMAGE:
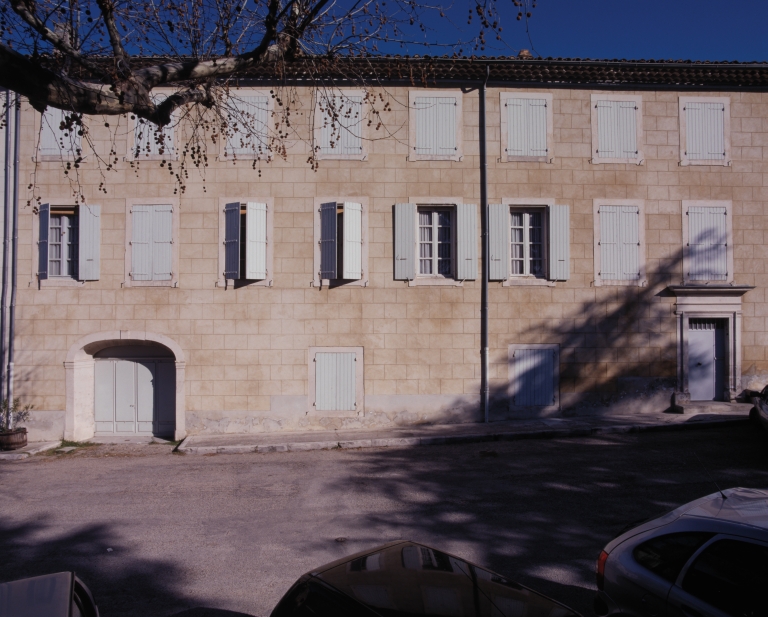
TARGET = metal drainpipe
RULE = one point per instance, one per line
(484, 369)
(15, 243)
(6, 212)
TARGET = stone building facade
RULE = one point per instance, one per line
(584, 168)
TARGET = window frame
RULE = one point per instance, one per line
(637, 99)
(51, 281)
(254, 156)
(359, 411)
(412, 96)
(434, 210)
(508, 158)
(74, 223)
(317, 127)
(641, 281)
(430, 280)
(174, 203)
(267, 282)
(542, 203)
(317, 236)
(174, 126)
(728, 205)
(726, 101)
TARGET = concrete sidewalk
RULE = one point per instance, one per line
(539, 428)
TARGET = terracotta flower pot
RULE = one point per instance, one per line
(13, 440)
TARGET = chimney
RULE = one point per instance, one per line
(525, 54)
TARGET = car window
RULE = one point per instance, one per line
(666, 555)
(730, 575)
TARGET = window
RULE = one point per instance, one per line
(339, 125)
(336, 381)
(526, 127)
(666, 555)
(436, 242)
(151, 141)
(617, 128)
(705, 135)
(534, 376)
(69, 239)
(245, 256)
(619, 242)
(707, 241)
(527, 233)
(341, 242)
(56, 138)
(247, 130)
(152, 254)
(435, 122)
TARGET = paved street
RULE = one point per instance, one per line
(232, 532)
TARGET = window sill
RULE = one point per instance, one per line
(331, 283)
(597, 160)
(342, 157)
(707, 163)
(130, 283)
(514, 282)
(622, 283)
(229, 158)
(527, 159)
(435, 282)
(243, 283)
(60, 282)
(435, 157)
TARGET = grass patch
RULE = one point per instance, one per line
(166, 442)
(77, 444)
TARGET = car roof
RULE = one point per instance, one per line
(745, 506)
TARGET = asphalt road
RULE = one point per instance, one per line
(204, 535)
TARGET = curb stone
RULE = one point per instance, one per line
(29, 450)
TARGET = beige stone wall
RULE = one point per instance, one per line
(246, 349)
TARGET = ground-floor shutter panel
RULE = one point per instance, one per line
(353, 241)
(559, 243)
(498, 242)
(630, 245)
(232, 241)
(145, 396)
(104, 396)
(335, 386)
(466, 242)
(42, 243)
(619, 243)
(141, 243)
(89, 240)
(534, 377)
(707, 243)
(405, 242)
(162, 253)
(328, 240)
(256, 241)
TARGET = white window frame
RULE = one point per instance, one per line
(270, 201)
(522, 203)
(317, 128)
(641, 281)
(728, 205)
(74, 228)
(624, 98)
(547, 409)
(174, 126)
(503, 98)
(433, 210)
(359, 410)
(412, 96)
(253, 156)
(129, 203)
(431, 279)
(51, 281)
(64, 154)
(363, 281)
(726, 101)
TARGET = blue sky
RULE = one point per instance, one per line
(631, 29)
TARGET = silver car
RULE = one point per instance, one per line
(708, 558)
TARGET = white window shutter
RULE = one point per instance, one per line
(617, 129)
(162, 250)
(704, 131)
(559, 243)
(89, 242)
(42, 243)
(328, 241)
(405, 242)
(498, 242)
(335, 388)
(707, 243)
(526, 127)
(256, 241)
(341, 131)
(248, 121)
(147, 136)
(141, 243)
(436, 125)
(353, 242)
(466, 242)
(534, 371)
(53, 140)
(630, 245)
(232, 240)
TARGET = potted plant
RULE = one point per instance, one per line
(12, 438)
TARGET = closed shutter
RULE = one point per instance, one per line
(534, 374)
(53, 140)
(256, 241)
(104, 396)
(151, 140)
(353, 241)
(466, 242)
(707, 243)
(162, 250)
(436, 125)
(232, 241)
(335, 381)
(42, 243)
(89, 242)
(704, 131)
(559, 243)
(498, 242)
(405, 242)
(248, 121)
(341, 131)
(328, 241)
(141, 243)
(526, 127)
(619, 243)
(617, 129)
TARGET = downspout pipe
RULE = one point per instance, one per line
(7, 177)
(485, 365)
(14, 244)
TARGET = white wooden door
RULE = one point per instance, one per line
(706, 359)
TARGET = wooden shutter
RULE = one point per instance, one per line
(162, 250)
(526, 127)
(256, 241)
(104, 396)
(559, 243)
(405, 242)
(704, 131)
(42, 242)
(89, 250)
(707, 243)
(328, 241)
(617, 129)
(466, 242)
(619, 243)
(53, 140)
(141, 243)
(534, 375)
(498, 242)
(147, 135)
(436, 125)
(335, 388)
(352, 268)
(232, 240)
(341, 131)
(248, 122)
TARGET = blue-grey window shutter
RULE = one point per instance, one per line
(232, 240)
(352, 268)
(617, 129)
(704, 131)
(405, 242)
(342, 118)
(328, 239)
(534, 377)
(335, 381)
(42, 243)
(256, 241)
(466, 242)
(141, 243)
(707, 243)
(559, 243)
(498, 242)
(162, 249)
(436, 125)
(248, 130)
(89, 242)
(526, 127)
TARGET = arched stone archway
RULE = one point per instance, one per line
(79, 423)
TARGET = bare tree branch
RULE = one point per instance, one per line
(107, 8)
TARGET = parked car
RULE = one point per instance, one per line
(708, 558)
(402, 579)
(51, 595)
(759, 412)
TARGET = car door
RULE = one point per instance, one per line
(726, 578)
